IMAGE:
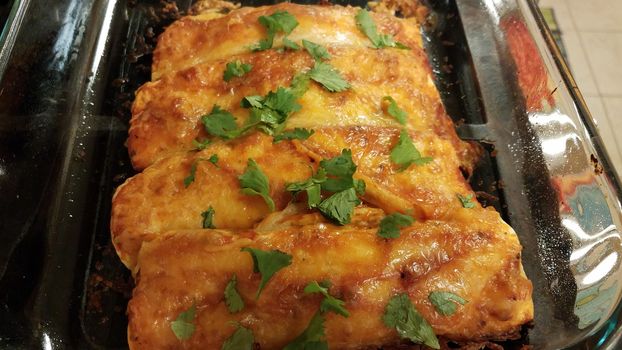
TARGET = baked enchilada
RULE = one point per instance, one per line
(303, 188)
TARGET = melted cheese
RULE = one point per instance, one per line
(156, 221)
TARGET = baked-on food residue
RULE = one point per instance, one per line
(301, 188)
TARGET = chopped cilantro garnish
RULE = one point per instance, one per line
(233, 299)
(190, 178)
(466, 201)
(280, 21)
(221, 123)
(401, 314)
(213, 159)
(334, 175)
(312, 186)
(296, 134)
(396, 112)
(329, 77)
(312, 338)
(241, 339)
(329, 303)
(339, 206)
(201, 145)
(390, 225)
(267, 263)
(405, 153)
(300, 84)
(269, 113)
(183, 327)
(290, 44)
(316, 51)
(445, 302)
(255, 182)
(366, 25)
(236, 69)
(208, 217)
(339, 171)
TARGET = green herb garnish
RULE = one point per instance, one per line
(236, 69)
(405, 153)
(208, 217)
(333, 175)
(401, 314)
(201, 145)
(396, 112)
(183, 327)
(233, 299)
(190, 178)
(329, 77)
(267, 263)
(221, 123)
(466, 201)
(390, 225)
(280, 21)
(445, 302)
(296, 134)
(255, 182)
(241, 339)
(312, 338)
(329, 303)
(366, 25)
(316, 51)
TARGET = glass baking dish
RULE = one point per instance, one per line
(68, 72)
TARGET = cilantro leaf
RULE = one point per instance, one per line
(312, 186)
(299, 84)
(267, 263)
(270, 113)
(233, 299)
(241, 339)
(296, 134)
(329, 303)
(213, 159)
(401, 314)
(316, 51)
(182, 327)
(390, 225)
(282, 101)
(396, 112)
(220, 123)
(236, 69)
(252, 101)
(466, 201)
(255, 182)
(329, 77)
(290, 44)
(201, 145)
(405, 153)
(366, 25)
(208, 217)
(280, 21)
(339, 171)
(339, 206)
(312, 338)
(190, 178)
(445, 302)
